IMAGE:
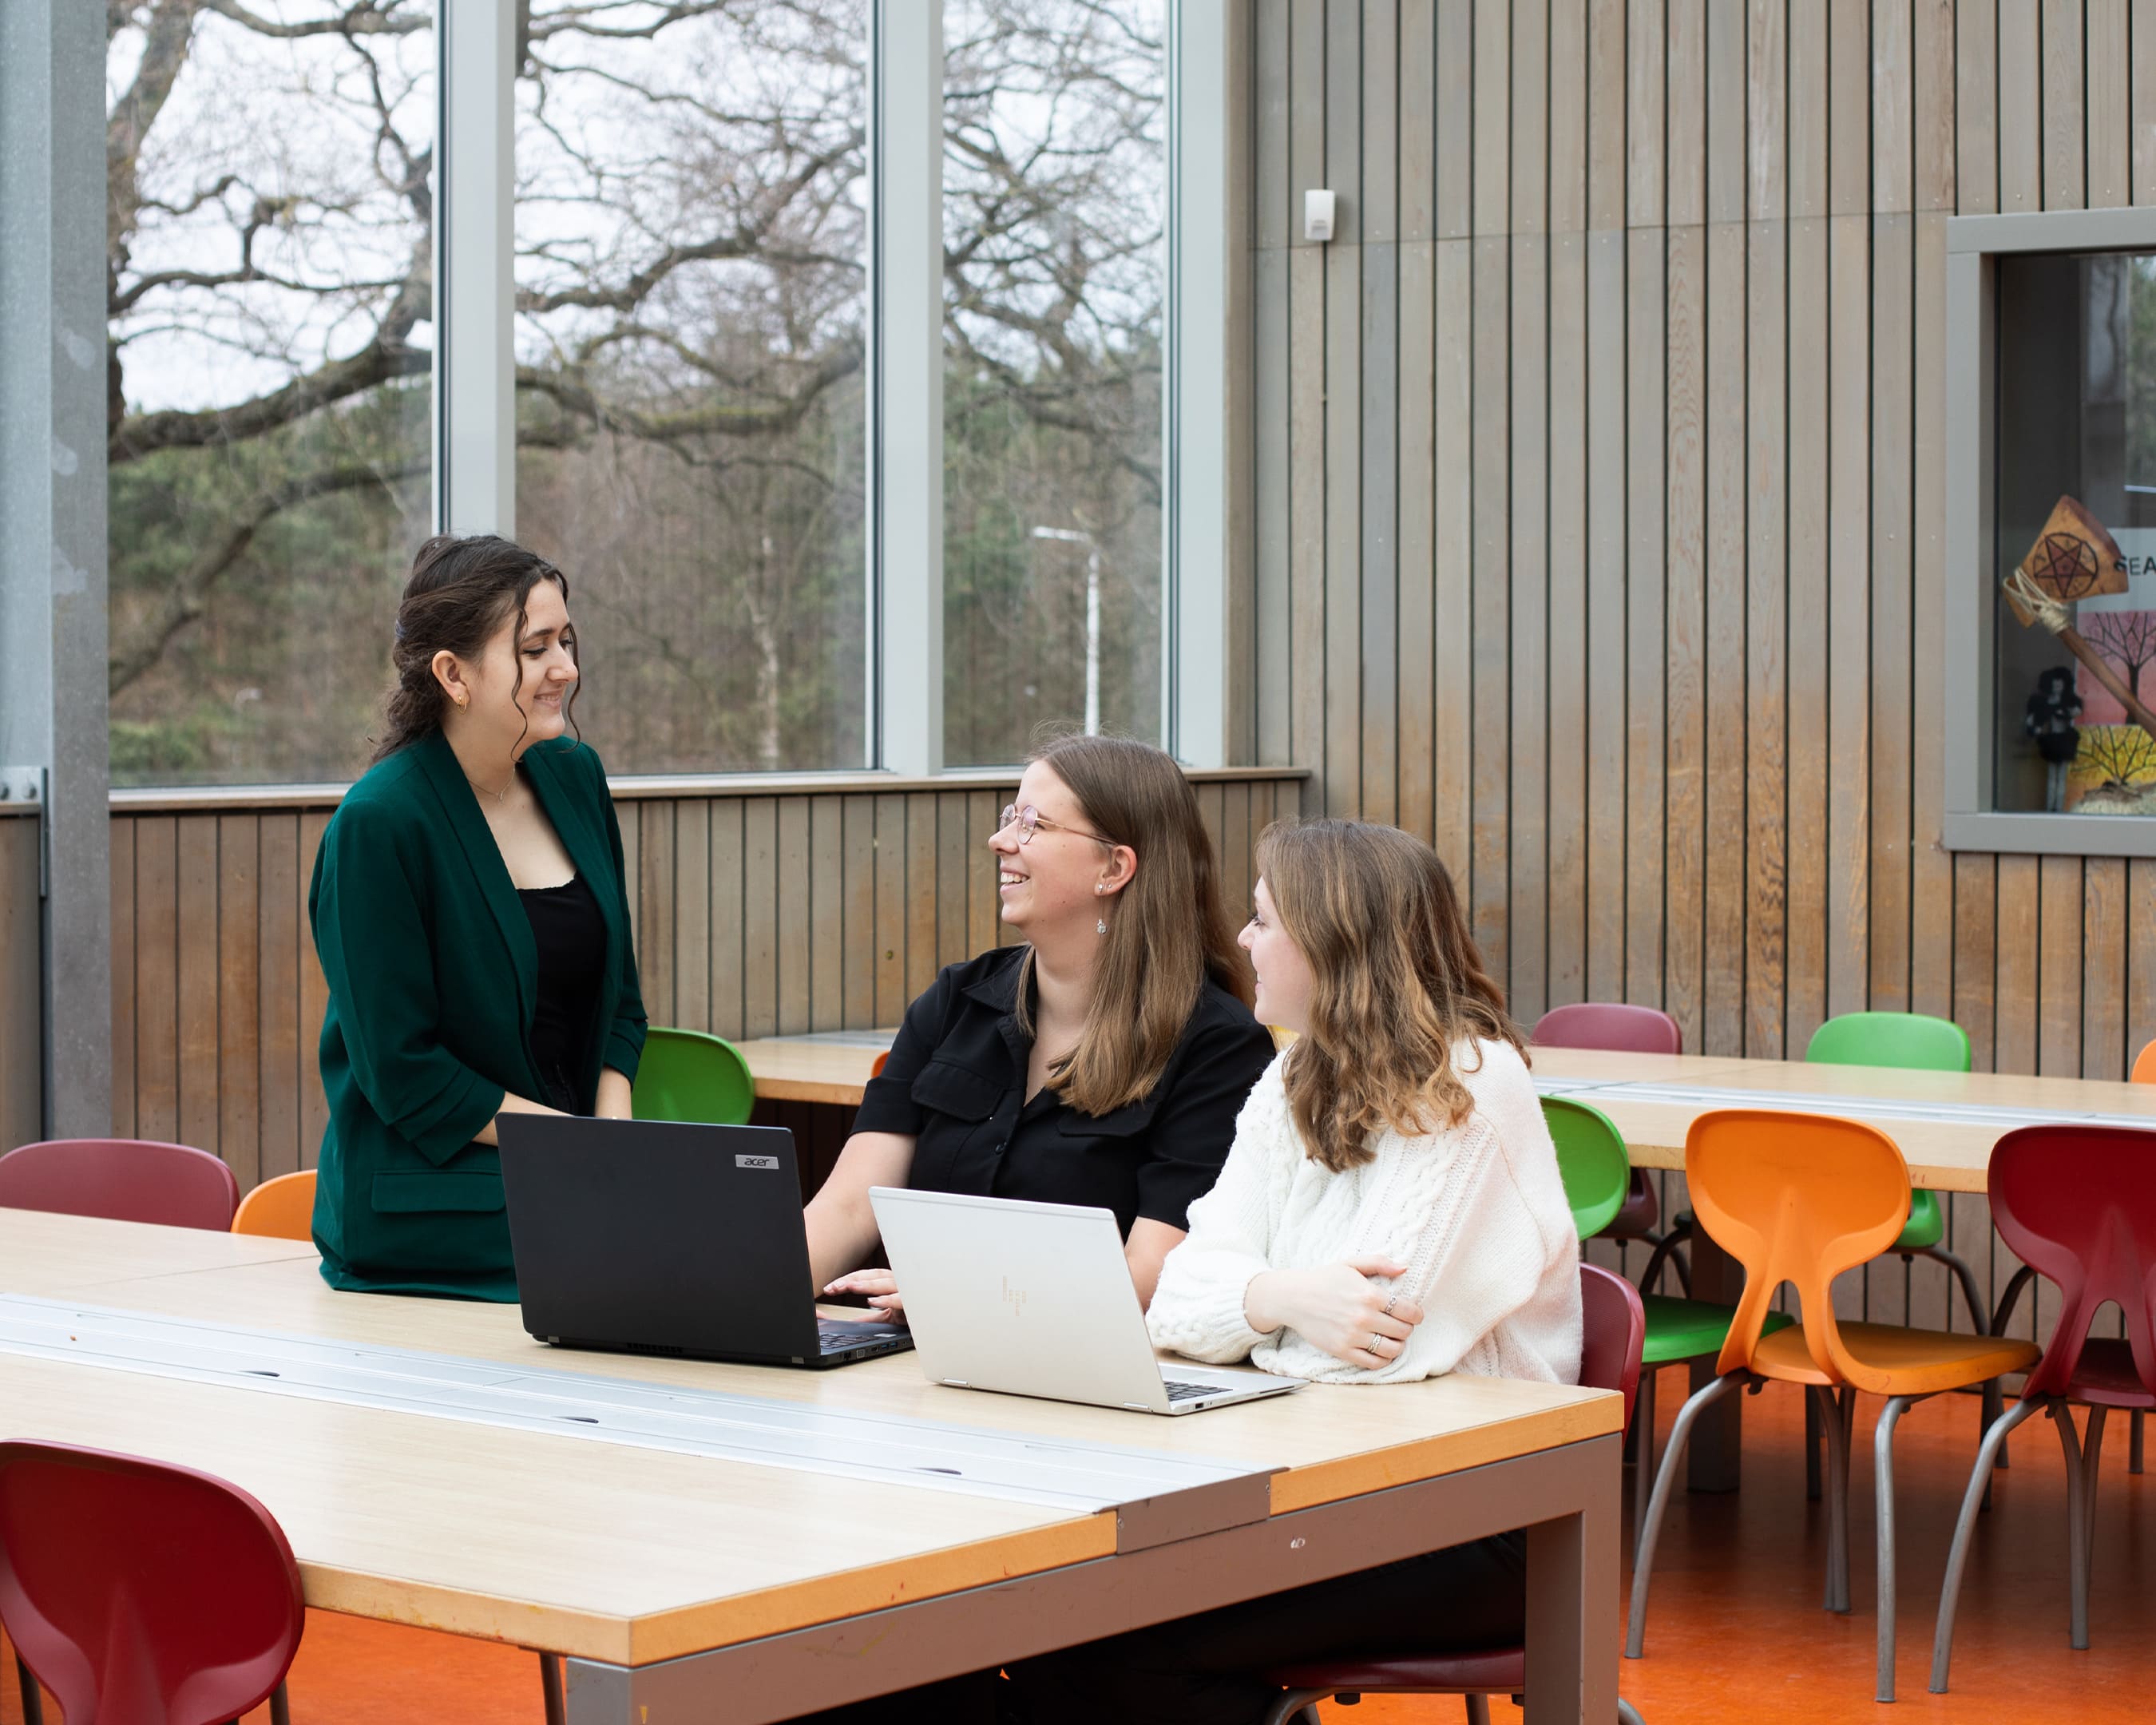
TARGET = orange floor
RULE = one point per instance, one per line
(1737, 1633)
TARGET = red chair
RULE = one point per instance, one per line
(123, 1180)
(142, 1593)
(1612, 1331)
(1621, 1028)
(2078, 1205)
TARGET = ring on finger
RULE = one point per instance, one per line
(1375, 1338)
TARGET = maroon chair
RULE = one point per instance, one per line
(2078, 1205)
(123, 1180)
(1620, 1028)
(1613, 1331)
(142, 1593)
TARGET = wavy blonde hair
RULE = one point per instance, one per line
(1170, 930)
(1397, 982)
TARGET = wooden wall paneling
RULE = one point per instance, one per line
(1646, 77)
(954, 928)
(121, 862)
(1975, 974)
(922, 963)
(2103, 968)
(2142, 97)
(1566, 168)
(314, 1005)
(1684, 583)
(761, 937)
(1272, 492)
(1893, 286)
(2019, 109)
(657, 907)
(1932, 120)
(796, 885)
(2140, 952)
(692, 913)
(1456, 119)
(1528, 601)
(196, 978)
(1976, 106)
(860, 960)
(1237, 833)
(725, 823)
(631, 825)
(1274, 196)
(1417, 94)
(1416, 453)
(1806, 964)
(1607, 603)
(2015, 927)
(1646, 673)
(22, 985)
(1684, 132)
(1307, 460)
(281, 932)
(1452, 584)
(1492, 99)
(1489, 867)
(831, 932)
(1723, 941)
(2065, 137)
(2059, 967)
(156, 978)
(1341, 758)
(892, 905)
(1378, 602)
(1931, 865)
(1849, 548)
(984, 907)
(2108, 150)
(1892, 57)
(1608, 64)
(1849, 107)
(239, 996)
(1767, 661)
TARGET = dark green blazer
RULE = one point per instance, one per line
(432, 981)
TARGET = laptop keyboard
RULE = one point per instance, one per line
(1178, 1391)
(832, 1337)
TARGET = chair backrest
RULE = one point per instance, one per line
(282, 1209)
(2077, 1204)
(1613, 1333)
(141, 1593)
(1611, 1025)
(2144, 1064)
(875, 1068)
(124, 1179)
(1908, 1039)
(1796, 1198)
(1591, 1160)
(686, 1075)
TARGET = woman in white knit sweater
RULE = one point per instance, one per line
(1391, 1211)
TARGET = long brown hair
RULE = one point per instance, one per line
(460, 592)
(1171, 930)
(1398, 980)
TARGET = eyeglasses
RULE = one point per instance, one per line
(1029, 820)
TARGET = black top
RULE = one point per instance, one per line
(956, 1082)
(570, 933)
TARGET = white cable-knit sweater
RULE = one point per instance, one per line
(1477, 1213)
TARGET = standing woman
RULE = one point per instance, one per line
(1392, 1211)
(1099, 1063)
(470, 914)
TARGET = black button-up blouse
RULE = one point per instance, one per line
(955, 1082)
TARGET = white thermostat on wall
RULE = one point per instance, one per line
(1318, 216)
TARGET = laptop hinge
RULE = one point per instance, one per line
(958, 1384)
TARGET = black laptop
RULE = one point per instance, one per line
(646, 1236)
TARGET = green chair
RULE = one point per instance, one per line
(686, 1075)
(1597, 1171)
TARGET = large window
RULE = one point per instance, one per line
(691, 231)
(271, 327)
(1054, 203)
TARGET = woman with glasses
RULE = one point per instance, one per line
(1099, 1063)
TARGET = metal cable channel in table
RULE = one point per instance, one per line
(1071, 1473)
(1862, 1107)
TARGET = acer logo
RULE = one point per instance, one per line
(1014, 1297)
(756, 1162)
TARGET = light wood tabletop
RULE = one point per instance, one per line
(576, 1545)
(806, 1069)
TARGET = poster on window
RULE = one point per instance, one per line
(2114, 770)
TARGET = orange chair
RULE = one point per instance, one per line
(875, 1070)
(282, 1209)
(1800, 1197)
(2144, 1066)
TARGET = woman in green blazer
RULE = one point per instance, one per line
(472, 920)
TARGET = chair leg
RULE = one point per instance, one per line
(550, 1688)
(33, 1703)
(1979, 1486)
(1643, 1556)
(2092, 1450)
(1883, 1468)
(1478, 1709)
(2062, 1416)
(280, 1706)
(1627, 1714)
(2134, 1444)
(1812, 1436)
(1643, 1466)
(1835, 1429)
(1293, 1702)
(1665, 1252)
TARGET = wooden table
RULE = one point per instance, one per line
(696, 1586)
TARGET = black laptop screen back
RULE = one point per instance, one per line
(651, 1235)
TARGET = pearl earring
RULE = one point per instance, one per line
(1100, 923)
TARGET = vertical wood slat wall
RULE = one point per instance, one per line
(755, 916)
(1599, 495)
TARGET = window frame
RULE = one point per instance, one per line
(1974, 244)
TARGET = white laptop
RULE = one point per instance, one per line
(1034, 1299)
